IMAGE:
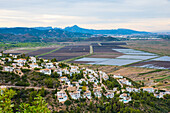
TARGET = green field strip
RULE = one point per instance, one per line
(49, 52)
(91, 49)
(161, 79)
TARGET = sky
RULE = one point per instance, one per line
(142, 15)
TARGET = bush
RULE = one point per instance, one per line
(67, 102)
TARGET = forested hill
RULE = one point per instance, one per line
(76, 28)
(22, 34)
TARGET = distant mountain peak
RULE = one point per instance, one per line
(120, 31)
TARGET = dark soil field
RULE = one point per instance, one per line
(41, 51)
(68, 52)
(165, 64)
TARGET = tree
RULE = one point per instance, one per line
(67, 102)
(5, 101)
(38, 106)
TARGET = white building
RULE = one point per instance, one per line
(46, 71)
(49, 65)
(126, 82)
(148, 89)
(129, 89)
(87, 94)
(75, 95)
(62, 96)
(33, 59)
(117, 76)
(125, 98)
(21, 60)
(34, 65)
(8, 68)
(64, 79)
(109, 94)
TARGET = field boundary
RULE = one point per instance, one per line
(91, 49)
(49, 51)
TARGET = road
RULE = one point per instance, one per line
(27, 87)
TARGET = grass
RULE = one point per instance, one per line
(49, 52)
(161, 79)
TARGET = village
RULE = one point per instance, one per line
(75, 89)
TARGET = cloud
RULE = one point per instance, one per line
(151, 15)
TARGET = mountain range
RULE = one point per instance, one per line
(76, 28)
(74, 33)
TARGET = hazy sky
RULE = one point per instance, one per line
(144, 15)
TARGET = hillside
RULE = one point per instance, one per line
(39, 32)
(75, 28)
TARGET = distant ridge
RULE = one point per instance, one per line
(76, 28)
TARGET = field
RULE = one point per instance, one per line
(68, 52)
(161, 47)
(41, 51)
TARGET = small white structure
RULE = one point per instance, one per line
(33, 59)
(87, 94)
(65, 79)
(20, 64)
(75, 95)
(97, 92)
(34, 65)
(14, 56)
(62, 96)
(125, 98)
(109, 94)
(74, 69)
(129, 89)
(0, 54)
(21, 60)
(46, 71)
(125, 81)
(8, 68)
(49, 65)
(117, 76)
(148, 89)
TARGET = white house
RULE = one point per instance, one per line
(117, 76)
(97, 92)
(46, 71)
(8, 68)
(109, 94)
(20, 64)
(125, 98)
(87, 94)
(33, 65)
(14, 56)
(129, 89)
(74, 69)
(75, 95)
(0, 54)
(124, 81)
(64, 79)
(148, 89)
(33, 59)
(49, 65)
(21, 60)
(62, 96)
